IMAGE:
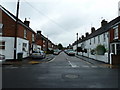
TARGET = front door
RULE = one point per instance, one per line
(115, 56)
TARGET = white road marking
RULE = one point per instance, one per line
(72, 65)
(51, 60)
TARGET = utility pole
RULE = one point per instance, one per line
(16, 28)
(77, 44)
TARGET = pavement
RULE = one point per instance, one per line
(28, 60)
(96, 62)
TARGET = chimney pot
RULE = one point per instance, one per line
(26, 22)
(92, 30)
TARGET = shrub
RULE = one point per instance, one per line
(100, 50)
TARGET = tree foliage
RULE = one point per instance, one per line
(60, 46)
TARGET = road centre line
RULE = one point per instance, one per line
(72, 64)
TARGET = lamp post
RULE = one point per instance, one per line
(77, 44)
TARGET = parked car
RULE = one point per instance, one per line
(2, 58)
(56, 52)
(38, 54)
(71, 52)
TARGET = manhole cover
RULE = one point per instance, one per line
(72, 76)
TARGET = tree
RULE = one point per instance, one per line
(60, 46)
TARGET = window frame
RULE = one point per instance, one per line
(25, 33)
(2, 45)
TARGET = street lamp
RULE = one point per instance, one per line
(77, 44)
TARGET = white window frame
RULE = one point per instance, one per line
(115, 32)
(33, 37)
(98, 38)
(1, 26)
(25, 33)
(104, 38)
(24, 47)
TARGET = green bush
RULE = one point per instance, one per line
(100, 50)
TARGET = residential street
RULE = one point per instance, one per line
(63, 71)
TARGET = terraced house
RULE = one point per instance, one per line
(102, 44)
(26, 38)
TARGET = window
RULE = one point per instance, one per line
(99, 39)
(1, 26)
(118, 49)
(2, 45)
(90, 41)
(24, 46)
(25, 33)
(94, 39)
(115, 32)
(104, 37)
(33, 39)
(113, 48)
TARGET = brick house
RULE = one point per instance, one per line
(25, 35)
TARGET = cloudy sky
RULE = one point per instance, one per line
(60, 20)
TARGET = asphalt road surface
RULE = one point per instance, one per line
(63, 71)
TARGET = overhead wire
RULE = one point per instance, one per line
(44, 15)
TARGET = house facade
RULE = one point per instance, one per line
(98, 45)
(26, 39)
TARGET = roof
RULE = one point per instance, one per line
(14, 18)
(101, 30)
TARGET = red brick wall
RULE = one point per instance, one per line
(8, 26)
(111, 35)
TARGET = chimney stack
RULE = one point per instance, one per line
(38, 32)
(92, 30)
(26, 22)
(103, 23)
(79, 38)
(82, 36)
(86, 34)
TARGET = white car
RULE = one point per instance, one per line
(38, 54)
(71, 53)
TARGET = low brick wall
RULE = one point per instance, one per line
(115, 59)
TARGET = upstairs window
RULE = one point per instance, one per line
(90, 41)
(115, 32)
(104, 37)
(33, 37)
(1, 26)
(94, 39)
(98, 38)
(25, 33)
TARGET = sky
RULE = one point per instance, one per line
(60, 20)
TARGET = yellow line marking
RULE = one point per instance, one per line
(34, 62)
